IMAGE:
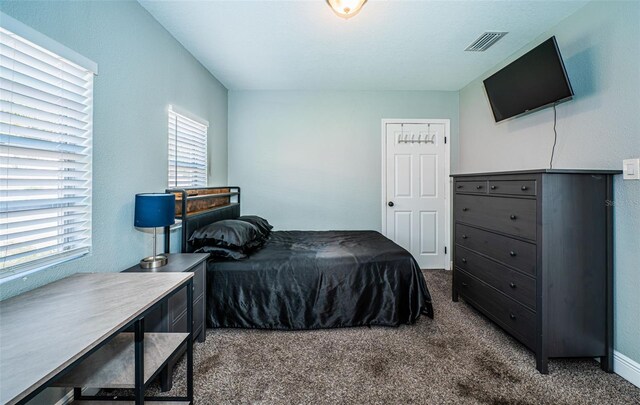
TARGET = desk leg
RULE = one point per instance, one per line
(138, 391)
(190, 341)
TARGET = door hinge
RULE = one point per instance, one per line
(445, 250)
(445, 139)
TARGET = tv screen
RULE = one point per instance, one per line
(533, 81)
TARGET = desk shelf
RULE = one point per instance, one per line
(112, 366)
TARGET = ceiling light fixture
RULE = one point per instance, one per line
(346, 8)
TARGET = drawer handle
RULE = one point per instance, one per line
(465, 209)
(512, 285)
(465, 284)
(464, 260)
(459, 186)
(513, 217)
(512, 254)
(479, 187)
(512, 316)
(464, 236)
(493, 187)
(524, 188)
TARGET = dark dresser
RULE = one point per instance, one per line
(533, 252)
(171, 316)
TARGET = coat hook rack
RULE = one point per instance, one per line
(405, 137)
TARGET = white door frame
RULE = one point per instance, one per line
(447, 180)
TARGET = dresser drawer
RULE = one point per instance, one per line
(177, 306)
(516, 285)
(471, 187)
(198, 316)
(514, 317)
(514, 216)
(515, 253)
(513, 187)
(199, 280)
(178, 302)
(179, 321)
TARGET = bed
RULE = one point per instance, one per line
(309, 279)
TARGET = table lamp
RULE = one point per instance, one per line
(154, 210)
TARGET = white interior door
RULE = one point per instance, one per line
(416, 178)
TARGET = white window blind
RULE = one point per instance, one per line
(46, 113)
(187, 151)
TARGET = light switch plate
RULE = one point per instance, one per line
(631, 169)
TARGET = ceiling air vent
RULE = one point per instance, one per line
(485, 41)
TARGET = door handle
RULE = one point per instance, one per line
(390, 204)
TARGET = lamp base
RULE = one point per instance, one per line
(153, 262)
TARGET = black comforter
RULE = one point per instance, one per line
(311, 280)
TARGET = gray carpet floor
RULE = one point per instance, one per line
(458, 358)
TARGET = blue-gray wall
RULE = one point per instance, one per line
(598, 129)
(312, 159)
(142, 69)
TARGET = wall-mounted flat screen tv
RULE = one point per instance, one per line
(535, 80)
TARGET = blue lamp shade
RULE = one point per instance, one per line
(155, 210)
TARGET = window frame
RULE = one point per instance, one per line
(175, 114)
(42, 44)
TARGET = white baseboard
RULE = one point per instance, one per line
(626, 368)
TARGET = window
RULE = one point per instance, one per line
(187, 150)
(46, 116)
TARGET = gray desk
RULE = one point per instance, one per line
(45, 331)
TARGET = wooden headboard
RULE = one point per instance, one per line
(200, 206)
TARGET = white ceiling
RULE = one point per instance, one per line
(390, 45)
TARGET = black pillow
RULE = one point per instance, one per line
(262, 224)
(222, 253)
(255, 244)
(228, 233)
